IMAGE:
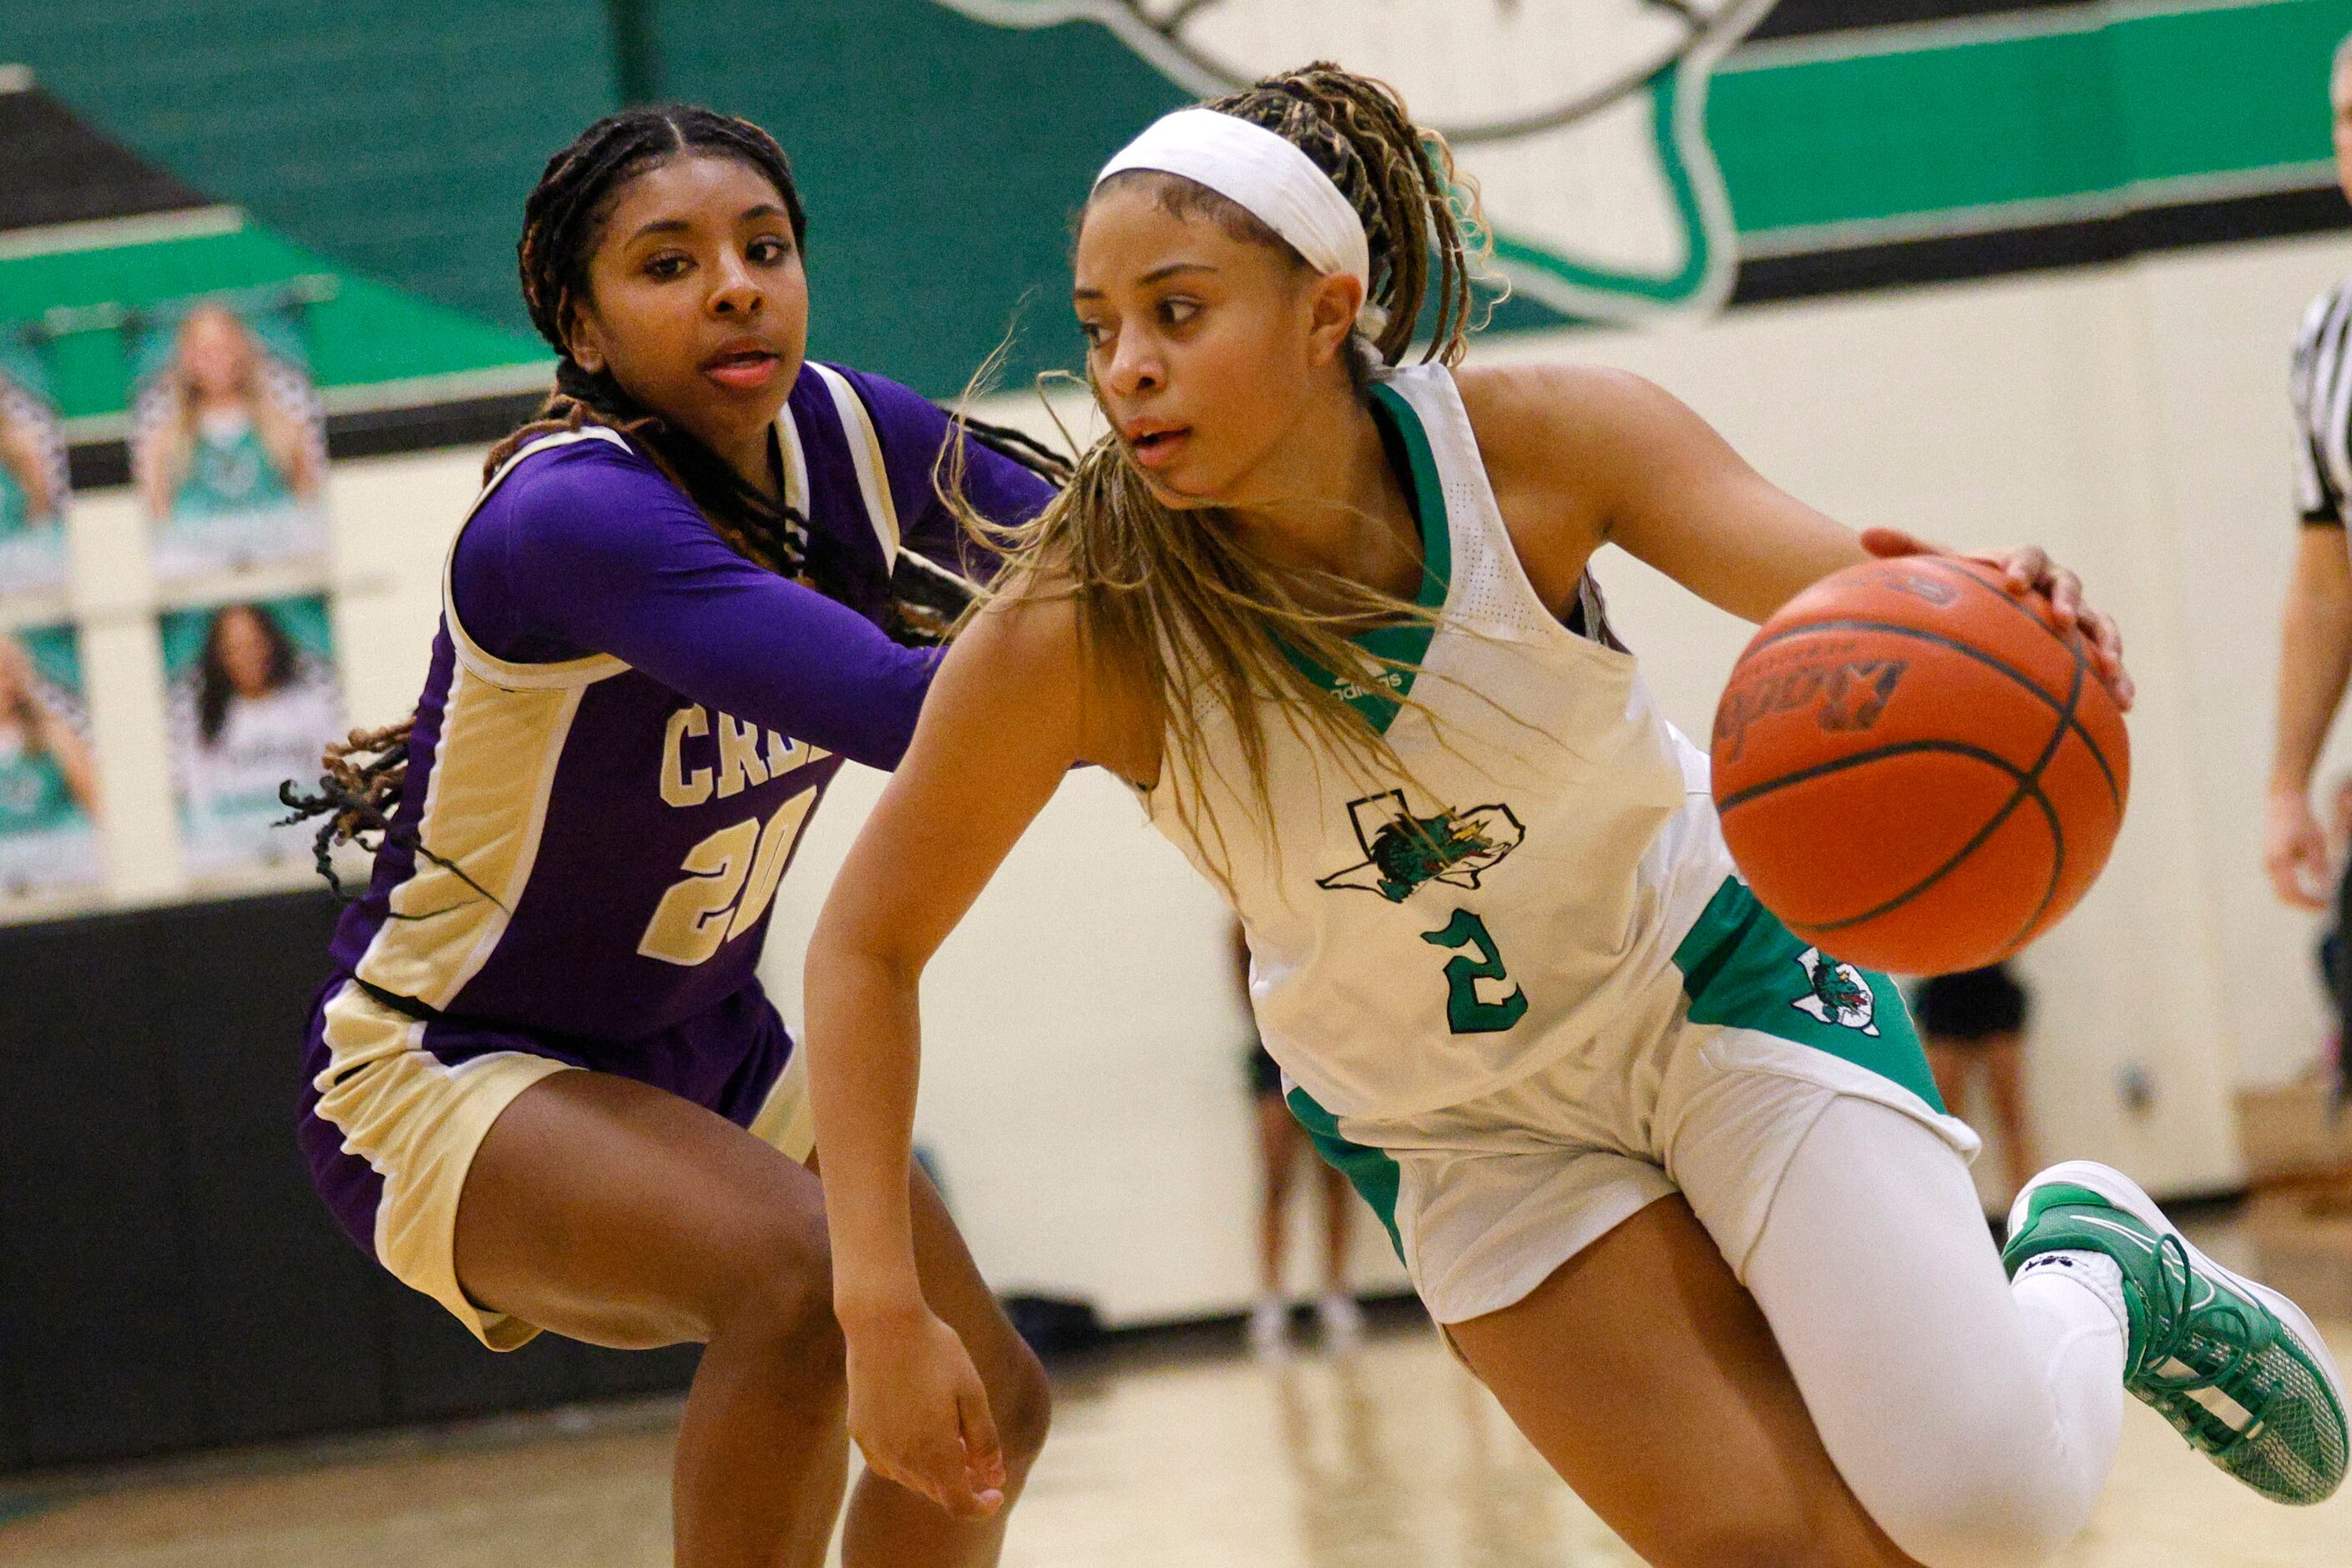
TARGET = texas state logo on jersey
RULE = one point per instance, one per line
(1404, 851)
(1583, 122)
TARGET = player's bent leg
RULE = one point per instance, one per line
(1976, 1427)
(889, 1526)
(621, 1214)
(1648, 1379)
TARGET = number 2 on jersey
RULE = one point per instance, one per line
(1465, 1010)
(730, 878)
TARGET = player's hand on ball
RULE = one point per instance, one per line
(2028, 569)
(2294, 850)
(919, 1414)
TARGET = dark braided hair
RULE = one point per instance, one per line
(562, 221)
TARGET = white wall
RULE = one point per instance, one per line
(1083, 1091)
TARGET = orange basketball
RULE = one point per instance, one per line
(1914, 771)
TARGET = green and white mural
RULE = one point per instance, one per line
(1584, 122)
(1639, 159)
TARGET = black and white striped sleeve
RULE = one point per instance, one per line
(2321, 383)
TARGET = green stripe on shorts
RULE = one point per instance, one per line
(1371, 1172)
(1744, 969)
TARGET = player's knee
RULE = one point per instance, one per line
(779, 1300)
(1977, 1540)
(1992, 1514)
(1021, 1398)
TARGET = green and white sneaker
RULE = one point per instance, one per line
(2234, 1366)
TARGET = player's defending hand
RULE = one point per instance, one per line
(2294, 850)
(2028, 569)
(919, 1414)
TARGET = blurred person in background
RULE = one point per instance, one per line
(2317, 633)
(1283, 1146)
(262, 711)
(48, 783)
(2316, 651)
(1975, 1025)
(2331, 954)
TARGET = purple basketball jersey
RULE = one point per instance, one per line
(627, 725)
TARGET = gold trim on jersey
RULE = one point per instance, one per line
(796, 479)
(471, 655)
(865, 446)
(485, 807)
(787, 1119)
(417, 1122)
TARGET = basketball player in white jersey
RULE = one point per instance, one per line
(1677, 1186)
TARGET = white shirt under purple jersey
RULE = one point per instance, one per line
(627, 724)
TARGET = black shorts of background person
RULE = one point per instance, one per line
(1975, 1023)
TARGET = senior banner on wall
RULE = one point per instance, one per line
(33, 485)
(48, 786)
(253, 697)
(228, 448)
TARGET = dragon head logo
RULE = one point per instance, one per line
(1583, 122)
(1836, 993)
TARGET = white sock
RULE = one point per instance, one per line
(2094, 1272)
(2071, 1305)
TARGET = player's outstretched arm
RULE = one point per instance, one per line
(1001, 729)
(2315, 658)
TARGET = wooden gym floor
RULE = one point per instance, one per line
(1184, 1456)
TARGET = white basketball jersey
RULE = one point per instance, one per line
(1420, 942)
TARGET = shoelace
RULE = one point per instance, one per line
(2180, 1323)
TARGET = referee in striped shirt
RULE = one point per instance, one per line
(2317, 651)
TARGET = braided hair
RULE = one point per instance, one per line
(563, 220)
(1399, 178)
(1178, 607)
(1401, 182)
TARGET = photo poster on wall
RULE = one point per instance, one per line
(229, 449)
(48, 779)
(253, 697)
(33, 483)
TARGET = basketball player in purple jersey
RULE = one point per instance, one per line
(545, 1086)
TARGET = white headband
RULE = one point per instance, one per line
(1270, 179)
